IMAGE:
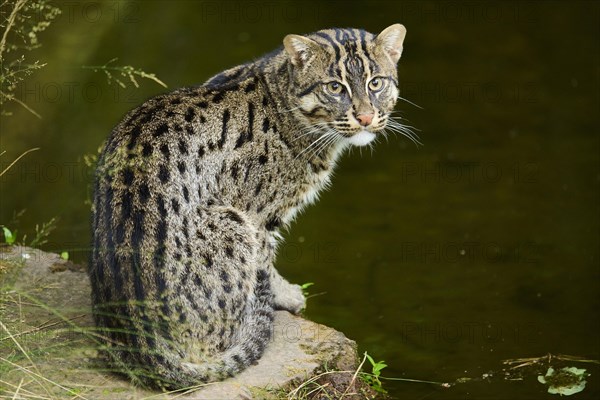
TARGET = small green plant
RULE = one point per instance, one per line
(121, 74)
(65, 255)
(42, 232)
(22, 22)
(9, 237)
(372, 379)
(304, 288)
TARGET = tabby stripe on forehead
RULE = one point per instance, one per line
(337, 45)
(330, 70)
(367, 67)
(332, 43)
(352, 34)
(350, 45)
(363, 42)
(354, 66)
(226, 116)
(339, 36)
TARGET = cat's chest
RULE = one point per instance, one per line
(318, 178)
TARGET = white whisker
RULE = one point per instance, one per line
(324, 144)
(408, 134)
(410, 102)
(315, 142)
(405, 130)
(316, 128)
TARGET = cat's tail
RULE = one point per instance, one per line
(167, 369)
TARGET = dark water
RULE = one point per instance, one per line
(442, 260)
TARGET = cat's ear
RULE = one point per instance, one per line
(391, 39)
(300, 49)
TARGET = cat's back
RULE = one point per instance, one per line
(202, 122)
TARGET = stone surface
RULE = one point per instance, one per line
(45, 308)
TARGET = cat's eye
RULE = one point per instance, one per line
(334, 87)
(376, 84)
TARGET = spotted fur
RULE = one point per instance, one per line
(193, 186)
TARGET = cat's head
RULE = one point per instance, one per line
(345, 80)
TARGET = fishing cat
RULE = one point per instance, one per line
(191, 190)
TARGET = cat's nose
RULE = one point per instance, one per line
(365, 119)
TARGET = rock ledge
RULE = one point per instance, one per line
(45, 307)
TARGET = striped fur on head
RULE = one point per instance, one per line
(345, 79)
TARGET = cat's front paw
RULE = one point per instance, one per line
(291, 298)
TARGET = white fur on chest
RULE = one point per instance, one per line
(310, 195)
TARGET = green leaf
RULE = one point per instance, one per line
(373, 378)
(64, 255)
(378, 367)
(565, 382)
(9, 237)
(304, 287)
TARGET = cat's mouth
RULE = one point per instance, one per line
(361, 138)
(358, 136)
